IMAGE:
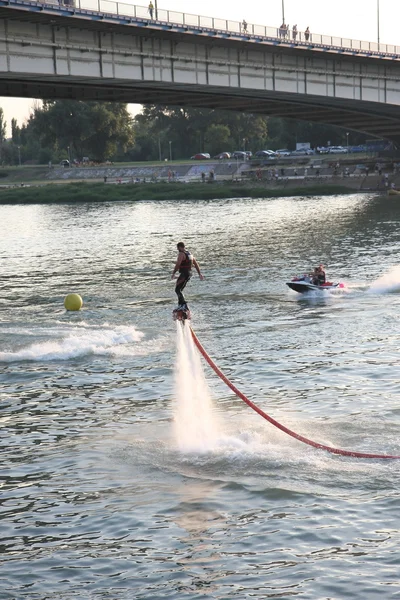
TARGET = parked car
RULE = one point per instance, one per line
(283, 152)
(322, 149)
(239, 155)
(265, 154)
(200, 156)
(64, 163)
(303, 152)
(360, 148)
(222, 155)
(361, 168)
(338, 150)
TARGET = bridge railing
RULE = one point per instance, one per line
(227, 25)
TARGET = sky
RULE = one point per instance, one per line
(355, 19)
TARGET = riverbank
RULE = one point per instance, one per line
(97, 192)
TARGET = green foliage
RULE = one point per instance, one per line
(217, 137)
(9, 153)
(94, 129)
(2, 126)
(285, 133)
(90, 192)
(204, 130)
(192, 130)
(2, 135)
(45, 156)
(15, 132)
(105, 131)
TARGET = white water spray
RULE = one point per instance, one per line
(195, 424)
(387, 283)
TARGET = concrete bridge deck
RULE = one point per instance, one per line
(56, 51)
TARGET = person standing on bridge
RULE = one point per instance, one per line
(184, 264)
(151, 9)
(244, 26)
(294, 32)
(307, 34)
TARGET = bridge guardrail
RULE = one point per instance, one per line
(249, 30)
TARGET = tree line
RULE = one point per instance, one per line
(100, 131)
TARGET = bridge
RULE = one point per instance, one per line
(105, 50)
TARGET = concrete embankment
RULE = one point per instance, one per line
(283, 175)
(284, 172)
(172, 172)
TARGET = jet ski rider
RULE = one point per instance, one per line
(184, 264)
(319, 276)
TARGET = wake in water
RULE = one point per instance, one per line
(195, 424)
(80, 340)
(388, 283)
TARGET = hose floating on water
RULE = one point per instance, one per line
(258, 410)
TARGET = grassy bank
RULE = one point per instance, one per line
(98, 192)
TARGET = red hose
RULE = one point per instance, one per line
(273, 421)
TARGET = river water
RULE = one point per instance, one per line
(107, 490)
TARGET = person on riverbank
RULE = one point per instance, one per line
(184, 264)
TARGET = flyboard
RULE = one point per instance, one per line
(181, 313)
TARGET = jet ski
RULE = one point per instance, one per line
(305, 284)
(182, 313)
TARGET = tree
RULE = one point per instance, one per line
(217, 138)
(3, 126)
(2, 133)
(15, 132)
(192, 130)
(285, 133)
(95, 129)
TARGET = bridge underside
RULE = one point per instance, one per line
(374, 119)
(48, 56)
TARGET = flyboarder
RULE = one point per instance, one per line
(184, 264)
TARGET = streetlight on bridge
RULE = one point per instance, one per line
(283, 11)
(377, 10)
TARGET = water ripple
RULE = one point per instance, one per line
(100, 496)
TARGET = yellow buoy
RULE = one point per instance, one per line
(73, 302)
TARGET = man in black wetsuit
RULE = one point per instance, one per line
(184, 265)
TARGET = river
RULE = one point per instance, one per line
(104, 497)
